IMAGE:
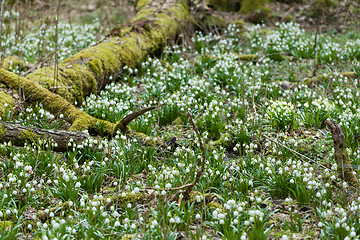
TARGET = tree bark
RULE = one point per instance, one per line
(341, 154)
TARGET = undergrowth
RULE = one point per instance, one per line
(270, 169)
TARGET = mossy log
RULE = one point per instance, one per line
(19, 135)
(52, 102)
(89, 70)
(344, 167)
(55, 104)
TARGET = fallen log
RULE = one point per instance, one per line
(89, 70)
(19, 135)
(344, 167)
(54, 103)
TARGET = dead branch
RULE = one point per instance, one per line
(122, 124)
(19, 135)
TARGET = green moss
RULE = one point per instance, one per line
(2, 130)
(128, 237)
(28, 222)
(239, 24)
(5, 225)
(223, 141)
(246, 57)
(141, 3)
(87, 71)
(165, 64)
(13, 62)
(85, 121)
(6, 104)
(29, 136)
(45, 77)
(53, 102)
(136, 198)
(143, 14)
(43, 215)
(83, 73)
(177, 122)
(256, 10)
(214, 205)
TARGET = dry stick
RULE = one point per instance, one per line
(1, 23)
(126, 120)
(189, 186)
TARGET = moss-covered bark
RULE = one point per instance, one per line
(55, 104)
(52, 102)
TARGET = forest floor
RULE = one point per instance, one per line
(256, 100)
